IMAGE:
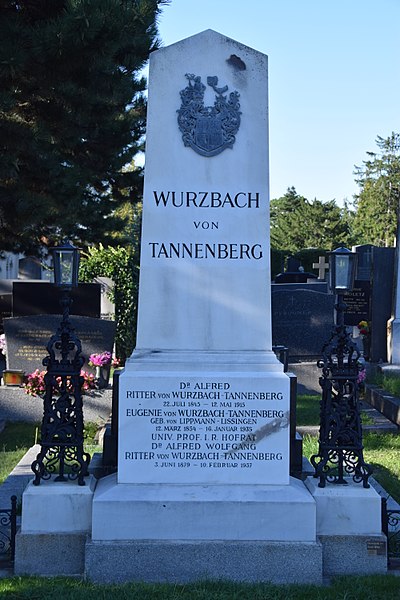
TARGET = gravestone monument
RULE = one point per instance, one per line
(203, 402)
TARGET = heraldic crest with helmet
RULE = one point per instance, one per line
(208, 129)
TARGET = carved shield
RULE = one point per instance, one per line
(208, 129)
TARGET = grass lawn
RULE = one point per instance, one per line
(17, 438)
(307, 409)
(385, 587)
(382, 452)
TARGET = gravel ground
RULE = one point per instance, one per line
(15, 405)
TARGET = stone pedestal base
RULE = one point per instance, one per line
(184, 512)
(187, 561)
(56, 519)
(182, 533)
(345, 510)
(48, 555)
(349, 527)
(58, 506)
(353, 554)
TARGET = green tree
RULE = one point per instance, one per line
(121, 265)
(297, 223)
(377, 203)
(283, 214)
(72, 114)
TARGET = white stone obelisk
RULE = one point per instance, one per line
(204, 318)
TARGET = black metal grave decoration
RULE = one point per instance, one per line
(62, 431)
(340, 452)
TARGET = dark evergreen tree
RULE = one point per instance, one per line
(377, 204)
(72, 114)
(297, 223)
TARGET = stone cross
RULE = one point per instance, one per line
(322, 266)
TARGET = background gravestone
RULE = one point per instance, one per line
(43, 298)
(302, 320)
(107, 307)
(29, 267)
(358, 303)
(27, 338)
(364, 262)
(381, 300)
(372, 296)
(5, 300)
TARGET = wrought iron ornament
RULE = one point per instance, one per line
(62, 433)
(340, 451)
(8, 530)
(208, 130)
(391, 528)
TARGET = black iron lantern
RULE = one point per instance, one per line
(340, 448)
(66, 265)
(62, 430)
(342, 269)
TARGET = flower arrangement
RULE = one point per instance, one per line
(88, 381)
(361, 376)
(363, 327)
(35, 385)
(100, 360)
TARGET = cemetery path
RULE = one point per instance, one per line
(15, 405)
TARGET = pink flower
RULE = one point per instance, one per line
(35, 385)
(100, 360)
(361, 376)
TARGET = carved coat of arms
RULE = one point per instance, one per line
(208, 129)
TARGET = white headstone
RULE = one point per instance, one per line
(203, 399)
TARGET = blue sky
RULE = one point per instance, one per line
(334, 82)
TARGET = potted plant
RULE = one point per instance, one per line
(102, 363)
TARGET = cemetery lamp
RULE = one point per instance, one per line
(62, 431)
(342, 269)
(66, 265)
(340, 448)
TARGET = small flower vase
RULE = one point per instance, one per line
(102, 376)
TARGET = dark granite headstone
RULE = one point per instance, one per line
(364, 262)
(302, 321)
(294, 273)
(381, 300)
(27, 337)
(358, 303)
(5, 300)
(43, 298)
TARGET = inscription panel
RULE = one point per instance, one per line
(27, 338)
(204, 429)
